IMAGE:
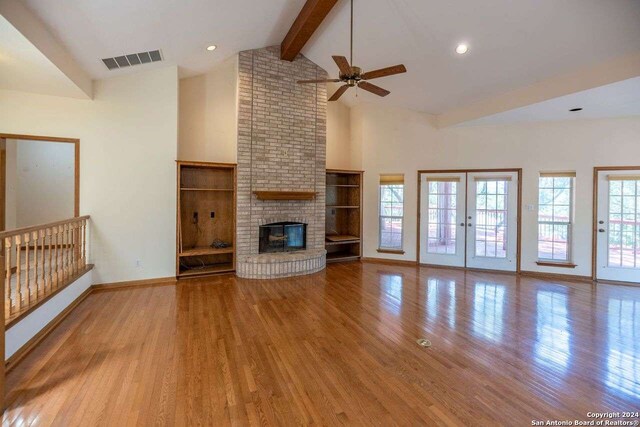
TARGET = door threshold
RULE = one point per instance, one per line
(472, 269)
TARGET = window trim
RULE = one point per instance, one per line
(384, 249)
(550, 262)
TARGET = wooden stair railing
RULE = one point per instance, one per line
(40, 260)
(35, 263)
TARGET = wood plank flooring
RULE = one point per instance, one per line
(337, 347)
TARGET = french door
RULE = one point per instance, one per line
(442, 219)
(469, 219)
(618, 225)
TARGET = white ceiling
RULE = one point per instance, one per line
(25, 68)
(512, 43)
(613, 100)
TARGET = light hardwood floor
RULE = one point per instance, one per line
(337, 347)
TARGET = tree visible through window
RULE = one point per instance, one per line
(555, 213)
(391, 211)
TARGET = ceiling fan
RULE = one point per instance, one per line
(354, 77)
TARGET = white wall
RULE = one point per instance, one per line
(45, 187)
(20, 333)
(128, 147)
(404, 141)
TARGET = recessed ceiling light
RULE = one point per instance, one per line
(573, 110)
(462, 48)
(212, 47)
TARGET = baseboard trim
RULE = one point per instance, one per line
(388, 261)
(617, 282)
(556, 276)
(159, 281)
(23, 351)
(469, 269)
(525, 273)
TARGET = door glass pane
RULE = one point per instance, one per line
(491, 219)
(624, 224)
(442, 217)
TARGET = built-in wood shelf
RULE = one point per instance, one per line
(285, 195)
(343, 220)
(206, 250)
(209, 269)
(341, 238)
(206, 189)
(343, 242)
(206, 213)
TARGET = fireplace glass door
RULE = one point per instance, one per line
(283, 237)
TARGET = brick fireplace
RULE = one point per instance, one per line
(281, 147)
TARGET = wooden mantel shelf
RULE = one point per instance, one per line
(285, 195)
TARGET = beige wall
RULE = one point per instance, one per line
(45, 189)
(11, 185)
(208, 120)
(128, 137)
(208, 115)
(404, 141)
(338, 136)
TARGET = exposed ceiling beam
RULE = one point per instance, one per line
(307, 22)
(34, 30)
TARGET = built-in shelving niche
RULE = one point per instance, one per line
(206, 213)
(343, 239)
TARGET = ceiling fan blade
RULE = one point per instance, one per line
(373, 89)
(319, 81)
(384, 72)
(342, 64)
(342, 89)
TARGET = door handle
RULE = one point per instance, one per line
(469, 224)
(462, 224)
(601, 230)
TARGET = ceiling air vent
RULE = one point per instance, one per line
(132, 59)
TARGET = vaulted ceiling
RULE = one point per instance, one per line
(25, 68)
(512, 44)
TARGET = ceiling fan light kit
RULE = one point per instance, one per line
(353, 76)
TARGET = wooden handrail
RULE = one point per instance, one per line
(23, 230)
(40, 260)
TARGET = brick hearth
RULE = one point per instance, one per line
(281, 147)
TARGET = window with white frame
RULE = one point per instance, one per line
(391, 211)
(555, 216)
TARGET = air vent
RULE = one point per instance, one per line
(132, 59)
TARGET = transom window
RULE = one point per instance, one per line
(555, 216)
(391, 211)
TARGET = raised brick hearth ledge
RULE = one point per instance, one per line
(275, 265)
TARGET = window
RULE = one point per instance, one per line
(491, 217)
(391, 211)
(555, 216)
(442, 216)
(624, 221)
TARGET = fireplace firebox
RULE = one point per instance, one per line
(283, 237)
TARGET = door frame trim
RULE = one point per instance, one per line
(594, 208)
(75, 141)
(519, 212)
